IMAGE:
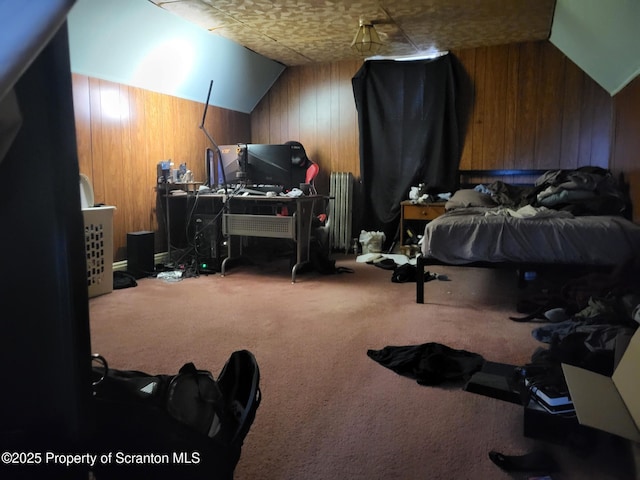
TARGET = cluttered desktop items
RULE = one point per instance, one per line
(168, 174)
(240, 180)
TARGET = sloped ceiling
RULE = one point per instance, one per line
(25, 29)
(135, 43)
(297, 32)
(600, 37)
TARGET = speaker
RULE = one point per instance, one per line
(140, 246)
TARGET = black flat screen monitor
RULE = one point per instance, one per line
(269, 164)
(228, 162)
(210, 166)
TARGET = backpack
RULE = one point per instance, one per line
(191, 396)
(198, 422)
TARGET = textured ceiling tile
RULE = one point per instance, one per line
(197, 12)
(263, 45)
(298, 32)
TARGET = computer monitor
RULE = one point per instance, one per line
(269, 164)
(229, 163)
(210, 167)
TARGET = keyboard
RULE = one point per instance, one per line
(266, 188)
(259, 189)
(249, 191)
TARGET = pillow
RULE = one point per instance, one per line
(469, 198)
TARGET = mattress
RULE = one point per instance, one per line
(471, 235)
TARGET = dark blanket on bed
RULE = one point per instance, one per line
(512, 196)
(583, 191)
(429, 363)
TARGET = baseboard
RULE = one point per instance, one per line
(157, 258)
(119, 266)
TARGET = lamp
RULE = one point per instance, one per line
(366, 40)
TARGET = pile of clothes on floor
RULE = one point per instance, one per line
(583, 322)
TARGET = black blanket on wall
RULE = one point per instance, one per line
(409, 134)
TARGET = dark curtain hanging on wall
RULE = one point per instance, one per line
(409, 134)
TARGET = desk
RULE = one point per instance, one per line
(188, 186)
(242, 222)
(249, 216)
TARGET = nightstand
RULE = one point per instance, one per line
(418, 212)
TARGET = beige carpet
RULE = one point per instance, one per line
(328, 411)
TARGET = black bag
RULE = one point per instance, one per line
(195, 399)
(404, 273)
(123, 280)
(239, 382)
(191, 423)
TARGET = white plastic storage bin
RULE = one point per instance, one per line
(98, 232)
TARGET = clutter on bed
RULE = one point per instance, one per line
(470, 197)
(584, 191)
(572, 217)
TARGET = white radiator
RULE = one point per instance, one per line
(340, 210)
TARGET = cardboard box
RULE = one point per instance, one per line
(611, 404)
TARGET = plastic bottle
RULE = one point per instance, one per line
(355, 246)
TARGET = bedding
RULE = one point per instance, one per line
(529, 235)
(567, 217)
(469, 198)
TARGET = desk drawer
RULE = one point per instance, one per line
(422, 212)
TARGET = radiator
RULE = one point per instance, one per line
(340, 210)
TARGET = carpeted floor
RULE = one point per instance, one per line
(328, 411)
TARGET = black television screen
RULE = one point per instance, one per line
(269, 165)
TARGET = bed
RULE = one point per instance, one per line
(572, 217)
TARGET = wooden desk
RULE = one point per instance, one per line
(418, 212)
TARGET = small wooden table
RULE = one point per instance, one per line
(418, 212)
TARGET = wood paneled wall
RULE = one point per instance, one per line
(122, 134)
(626, 156)
(315, 106)
(531, 108)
